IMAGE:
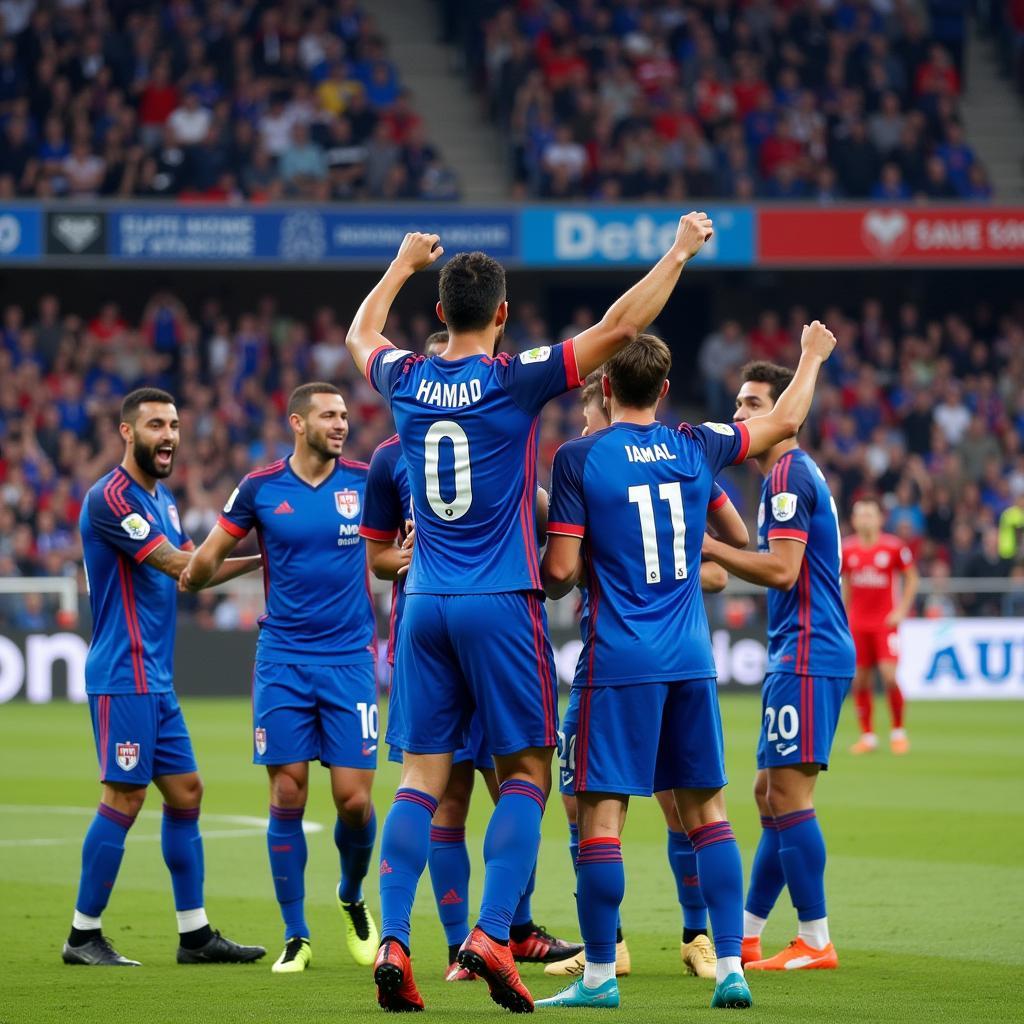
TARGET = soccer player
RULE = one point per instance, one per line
(134, 549)
(871, 562)
(475, 631)
(637, 494)
(695, 949)
(810, 667)
(314, 687)
(387, 511)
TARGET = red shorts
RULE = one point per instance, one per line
(875, 645)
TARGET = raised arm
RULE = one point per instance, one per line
(789, 412)
(416, 252)
(632, 312)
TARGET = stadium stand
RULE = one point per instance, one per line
(238, 101)
(712, 98)
(922, 407)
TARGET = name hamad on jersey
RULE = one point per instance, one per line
(808, 633)
(872, 571)
(134, 606)
(468, 430)
(638, 495)
(309, 538)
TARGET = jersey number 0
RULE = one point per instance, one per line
(458, 505)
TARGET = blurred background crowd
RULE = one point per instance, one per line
(220, 101)
(923, 408)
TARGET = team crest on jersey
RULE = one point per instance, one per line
(172, 512)
(720, 428)
(259, 735)
(347, 503)
(783, 506)
(135, 526)
(536, 355)
(882, 559)
(127, 755)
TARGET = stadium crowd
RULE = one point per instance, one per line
(715, 98)
(925, 410)
(222, 102)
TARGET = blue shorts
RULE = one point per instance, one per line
(315, 712)
(477, 752)
(642, 738)
(140, 736)
(799, 715)
(466, 652)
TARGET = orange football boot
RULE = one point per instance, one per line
(392, 974)
(751, 949)
(798, 956)
(493, 962)
(899, 745)
(867, 744)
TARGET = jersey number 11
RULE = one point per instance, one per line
(640, 495)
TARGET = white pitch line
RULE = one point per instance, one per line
(257, 826)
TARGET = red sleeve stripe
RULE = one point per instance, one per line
(143, 553)
(233, 528)
(800, 535)
(568, 529)
(572, 369)
(744, 443)
(382, 535)
(717, 503)
(189, 545)
(369, 362)
(114, 493)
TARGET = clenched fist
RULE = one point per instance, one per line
(418, 250)
(817, 340)
(693, 231)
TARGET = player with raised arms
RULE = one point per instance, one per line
(871, 562)
(475, 631)
(810, 667)
(387, 513)
(695, 948)
(628, 513)
(134, 548)
(314, 685)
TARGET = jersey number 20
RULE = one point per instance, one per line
(640, 495)
(458, 505)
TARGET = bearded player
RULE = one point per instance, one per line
(475, 627)
(134, 548)
(810, 668)
(314, 684)
(872, 560)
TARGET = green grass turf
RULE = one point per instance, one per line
(925, 886)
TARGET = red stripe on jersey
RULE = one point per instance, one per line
(800, 535)
(804, 618)
(189, 545)
(392, 617)
(582, 739)
(368, 370)
(372, 645)
(229, 527)
(529, 497)
(353, 463)
(369, 533)
(393, 439)
(713, 506)
(784, 464)
(568, 529)
(104, 717)
(744, 443)
(594, 596)
(572, 369)
(143, 553)
(114, 493)
(544, 669)
(124, 571)
(272, 467)
(266, 564)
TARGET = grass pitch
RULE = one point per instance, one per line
(925, 886)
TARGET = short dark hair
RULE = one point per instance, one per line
(134, 399)
(437, 338)
(301, 399)
(761, 371)
(868, 499)
(591, 390)
(637, 372)
(471, 288)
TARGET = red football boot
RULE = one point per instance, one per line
(392, 973)
(493, 962)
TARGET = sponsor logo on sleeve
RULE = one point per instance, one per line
(231, 500)
(536, 355)
(783, 506)
(396, 353)
(720, 428)
(135, 526)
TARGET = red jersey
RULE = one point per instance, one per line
(871, 571)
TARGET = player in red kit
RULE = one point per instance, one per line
(871, 562)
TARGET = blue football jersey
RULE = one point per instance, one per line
(638, 496)
(386, 508)
(319, 607)
(808, 633)
(134, 606)
(468, 430)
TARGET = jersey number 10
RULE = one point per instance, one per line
(640, 495)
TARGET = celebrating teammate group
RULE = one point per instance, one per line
(450, 510)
